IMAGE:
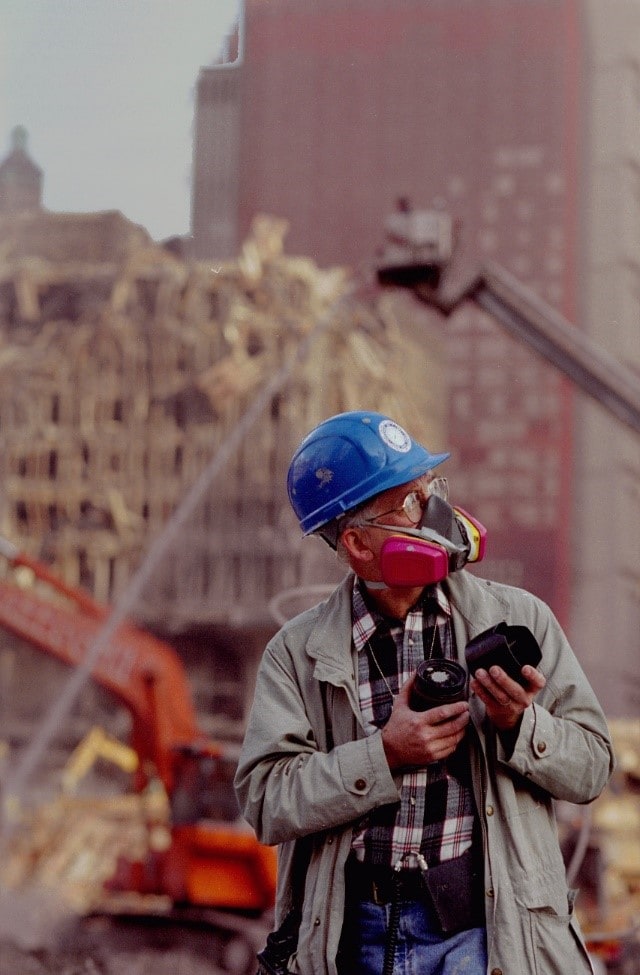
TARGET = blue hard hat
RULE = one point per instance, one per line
(347, 460)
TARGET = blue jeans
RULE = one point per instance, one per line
(420, 950)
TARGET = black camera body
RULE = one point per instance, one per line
(509, 647)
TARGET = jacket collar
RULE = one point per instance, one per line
(475, 604)
(329, 642)
(478, 603)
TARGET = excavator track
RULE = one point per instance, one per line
(35, 939)
(214, 942)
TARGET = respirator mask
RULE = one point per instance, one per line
(446, 539)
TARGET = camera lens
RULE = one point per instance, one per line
(437, 682)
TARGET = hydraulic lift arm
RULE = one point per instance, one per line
(417, 259)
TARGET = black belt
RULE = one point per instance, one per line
(454, 888)
(382, 884)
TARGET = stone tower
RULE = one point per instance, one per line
(20, 178)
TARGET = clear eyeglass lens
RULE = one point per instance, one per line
(415, 502)
(413, 506)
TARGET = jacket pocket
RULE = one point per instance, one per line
(557, 947)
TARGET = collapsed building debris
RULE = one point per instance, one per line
(70, 847)
(123, 370)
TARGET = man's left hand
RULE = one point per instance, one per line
(505, 699)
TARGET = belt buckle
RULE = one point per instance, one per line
(377, 896)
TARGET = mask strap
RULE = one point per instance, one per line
(373, 585)
(427, 535)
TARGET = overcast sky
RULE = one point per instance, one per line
(105, 89)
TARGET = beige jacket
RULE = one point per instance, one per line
(307, 767)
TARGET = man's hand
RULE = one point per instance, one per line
(505, 699)
(416, 738)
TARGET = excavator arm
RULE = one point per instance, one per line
(142, 672)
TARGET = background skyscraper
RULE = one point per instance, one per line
(511, 116)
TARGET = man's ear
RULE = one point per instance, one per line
(356, 546)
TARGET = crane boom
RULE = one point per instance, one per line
(524, 315)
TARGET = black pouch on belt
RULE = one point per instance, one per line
(457, 892)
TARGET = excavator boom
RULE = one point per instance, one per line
(136, 667)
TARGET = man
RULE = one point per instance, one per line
(430, 842)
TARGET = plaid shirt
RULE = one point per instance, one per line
(436, 814)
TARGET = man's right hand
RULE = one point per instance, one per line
(417, 738)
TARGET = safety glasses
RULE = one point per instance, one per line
(415, 502)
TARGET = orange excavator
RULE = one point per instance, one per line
(213, 860)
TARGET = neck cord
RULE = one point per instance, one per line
(379, 668)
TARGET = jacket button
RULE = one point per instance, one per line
(360, 784)
(491, 892)
(489, 810)
(541, 747)
(316, 923)
(496, 971)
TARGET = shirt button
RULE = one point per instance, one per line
(491, 892)
(360, 784)
(496, 971)
(316, 923)
(541, 747)
(489, 810)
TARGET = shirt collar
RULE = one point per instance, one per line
(367, 618)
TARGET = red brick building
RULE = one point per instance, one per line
(334, 110)
(492, 109)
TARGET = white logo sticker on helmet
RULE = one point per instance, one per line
(394, 436)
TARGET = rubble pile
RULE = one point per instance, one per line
(616, 827)
(70, 847)
(601, 843)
